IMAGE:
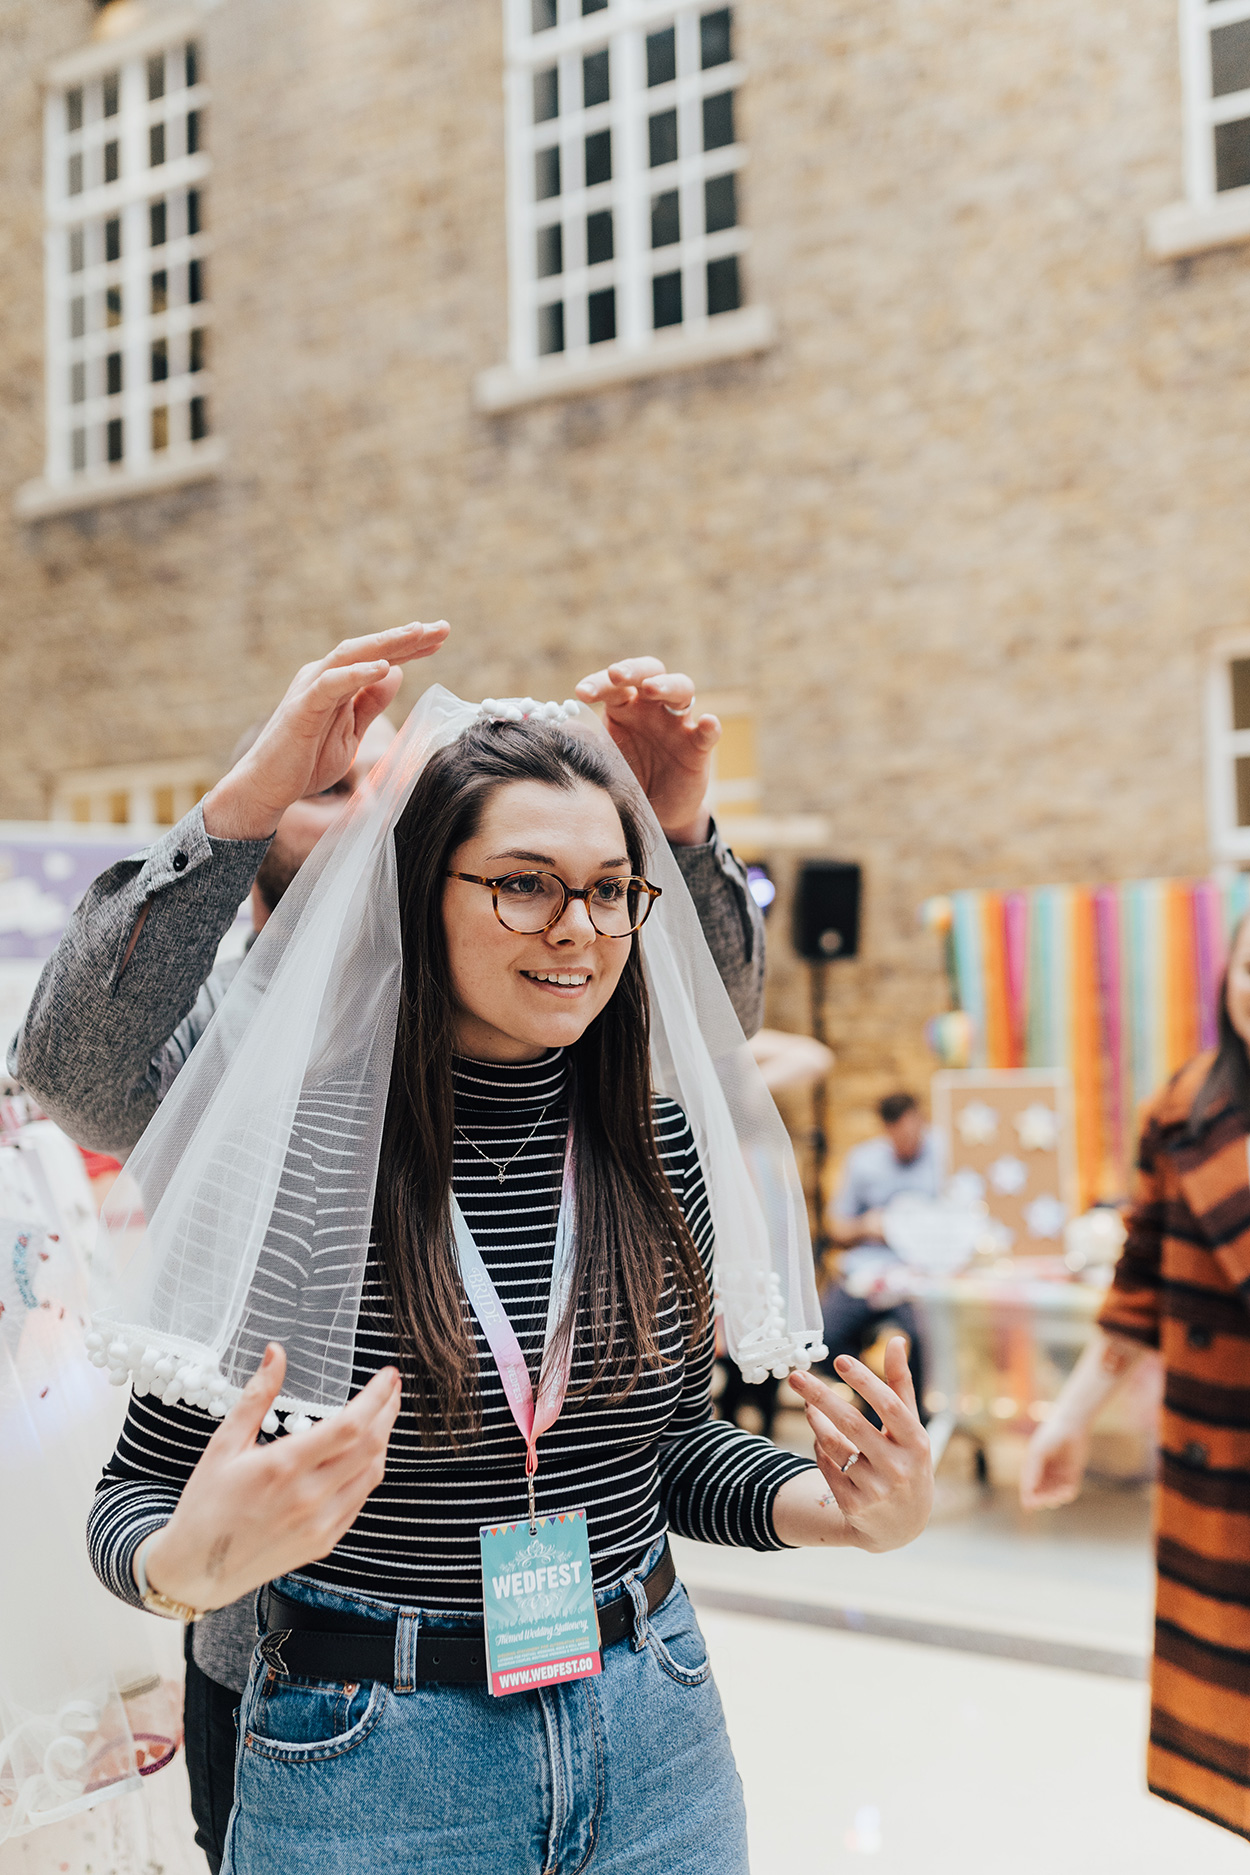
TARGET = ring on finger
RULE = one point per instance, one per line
(675, 712)
(850, 1461)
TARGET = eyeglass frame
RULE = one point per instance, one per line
(581, 892)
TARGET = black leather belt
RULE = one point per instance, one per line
(329, 1644)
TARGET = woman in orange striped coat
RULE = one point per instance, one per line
(1182, 1287)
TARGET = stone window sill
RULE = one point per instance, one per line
(1192, 228)
(34, 500)
(730, 335)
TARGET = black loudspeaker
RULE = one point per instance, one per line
(827, 897)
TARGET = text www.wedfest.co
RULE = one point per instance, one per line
(538, 1676)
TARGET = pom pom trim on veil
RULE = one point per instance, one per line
(184, 1232)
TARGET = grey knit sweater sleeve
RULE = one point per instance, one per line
(101, 1043)
(733, 923)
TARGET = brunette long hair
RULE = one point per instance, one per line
(630, 1231)
(1228, 1078)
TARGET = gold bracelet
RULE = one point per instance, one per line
(152, 1598)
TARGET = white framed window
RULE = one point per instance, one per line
(625, 162)
(1215, 82)
(1215, 64)
(146, 794)
(129, 385)
(1228, 752)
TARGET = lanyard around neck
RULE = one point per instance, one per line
(533, 1418)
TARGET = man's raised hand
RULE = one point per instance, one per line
(650, 717)
(312, 737)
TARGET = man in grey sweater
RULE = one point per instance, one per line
(133, 982)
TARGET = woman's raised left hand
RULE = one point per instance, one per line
(874, 1489)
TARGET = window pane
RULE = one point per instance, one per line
(665, 219)
(78, 446)
(714, 38)
(595, 88)
(193, 132)
(199, 418)
(1239, 672)
(551, 328)
(720, 202)
(193, 63)
(601, 315)
(156, 224)
(1232, 154)
(662, 57)
(550, 256)
(593, 6)
(599, 243)
(542, 15)
(1230, 59)
(662, 133)
(193, 211)
(115, 440)
(113, 306)
(77, 251)
(113, 239)
(112, 161)
(666, 300)
(110, 95)
(75, 175)
(547, 173)
(195, 282)
(160, 361)
(1242, 766)
(77, 318)
(160, 428)
(160, 291)
(156, 76)
(722, 285)
(156, 146)
(198, 358)
(718, 120)
(73, 108)
(113, 375)
(546, 94)
(77, 383)
(598, 158)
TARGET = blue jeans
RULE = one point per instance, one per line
(629, 1771)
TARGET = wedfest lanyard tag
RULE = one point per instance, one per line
(537, 1592)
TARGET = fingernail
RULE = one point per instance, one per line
(269, 1353)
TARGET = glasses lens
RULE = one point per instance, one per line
(618, 906)
(529, 901)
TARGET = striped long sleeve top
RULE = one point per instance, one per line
(655, 1459)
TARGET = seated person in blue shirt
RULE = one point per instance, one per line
(905, 1157)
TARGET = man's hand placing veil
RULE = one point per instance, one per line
(650, 716)
(310, 741)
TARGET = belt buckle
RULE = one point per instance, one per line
(271, 1651)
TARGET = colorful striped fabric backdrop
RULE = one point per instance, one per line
(1116, 983)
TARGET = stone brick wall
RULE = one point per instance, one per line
(968, 532)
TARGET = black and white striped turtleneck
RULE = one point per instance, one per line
(656, 1457)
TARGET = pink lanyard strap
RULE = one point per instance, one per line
(532, 1421)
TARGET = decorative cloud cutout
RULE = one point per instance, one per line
(977, 1123)
(1038, 1127)
(1009, 1175)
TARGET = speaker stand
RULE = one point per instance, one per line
(820, 1114)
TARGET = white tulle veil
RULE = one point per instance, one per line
(193, 1229)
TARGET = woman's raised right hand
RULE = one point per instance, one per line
(1054, 1465)
(251, 1512)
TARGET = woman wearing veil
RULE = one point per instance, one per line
(444, 1177)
